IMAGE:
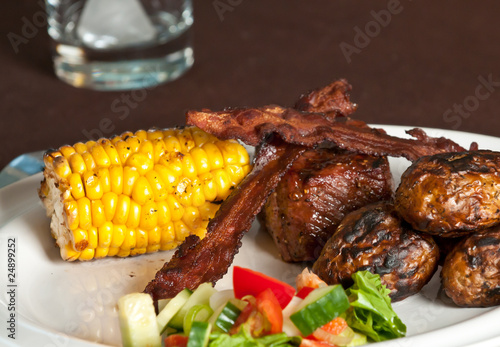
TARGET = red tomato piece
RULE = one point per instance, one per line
(268, 305)
(335, 326)
(304, 292)
(176, 341)
(250, 282)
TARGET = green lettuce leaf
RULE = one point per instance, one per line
(371, 312)
(245, 339)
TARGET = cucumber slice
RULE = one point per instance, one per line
(319, 307)
(201, 296)
(224, 320)
(197, 313)
(171, 309)
(199, 334)
(137, 317)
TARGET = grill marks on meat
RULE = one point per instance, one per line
(207, 260)
(321, 187)
(374, 238)
(451, 194)
(471, 271)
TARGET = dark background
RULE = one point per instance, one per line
(426, 59)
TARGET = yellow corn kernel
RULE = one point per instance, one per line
(123, 136)
(76, 186)
(119, 232)
(93, 237)
(123, 253)
(172, 144)
(89, 144)
(209, 187)
(68, 253)
(208, 210)
(101, 159)
(130, 176)
(223, 183)
(191, 217)
(89, 161)
(186, 140)
(163, 212)
(105, 235)
(200, 232)
(183, 193)
(71, 212)
(77, 164)
(175, 208)
(149, 216)
(214, 155)
(129, 241)
(134, 215)
(201, 161)
(168, 177)
(141, 134)
(85, 213)
(147, 149)
(157, 185)
(141, 239)
(122, 209)
(116, 179)
(154, 237)
(153, 248)
(93, 188)
(110, 149)
(137, 251)
(113, 251)
(61, 167)
(105, 179)
(167, 235)
(236, 173)
(188, 166)
(155, 134)
(98, 213)
(141, 162)
(80, 147)
(124, 150)
(181, 230)
(196, 191)
(67, 151)
(142, 191)
(158, 149)
(79, 239)
(110, 202)
(87, 254)
(101, 252)
(200, 137)
(173, 161)
(134, 143)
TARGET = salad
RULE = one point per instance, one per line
(262, 311)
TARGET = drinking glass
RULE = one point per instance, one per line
(120, 44)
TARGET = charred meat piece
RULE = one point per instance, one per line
(197, 261)
(375, 238)
(471, 272)
(313, 197)
(451, 194)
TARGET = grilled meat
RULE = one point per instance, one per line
(375, 238)
(321, 187)
(471, 272)
(451, 194)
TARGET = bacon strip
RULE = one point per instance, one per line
(251, 125)
(207, 260)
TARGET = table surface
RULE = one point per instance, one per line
(418, 63)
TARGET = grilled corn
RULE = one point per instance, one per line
(138, 192)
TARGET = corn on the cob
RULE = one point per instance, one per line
(137, 193)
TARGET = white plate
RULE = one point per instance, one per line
(74, 304)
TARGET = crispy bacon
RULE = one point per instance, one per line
(251, 125)
(207, 260)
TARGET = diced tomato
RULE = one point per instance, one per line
(268, 305)
(176, 341)
(313, 343)
(250, 282)
(304, 292)
(335, 326)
